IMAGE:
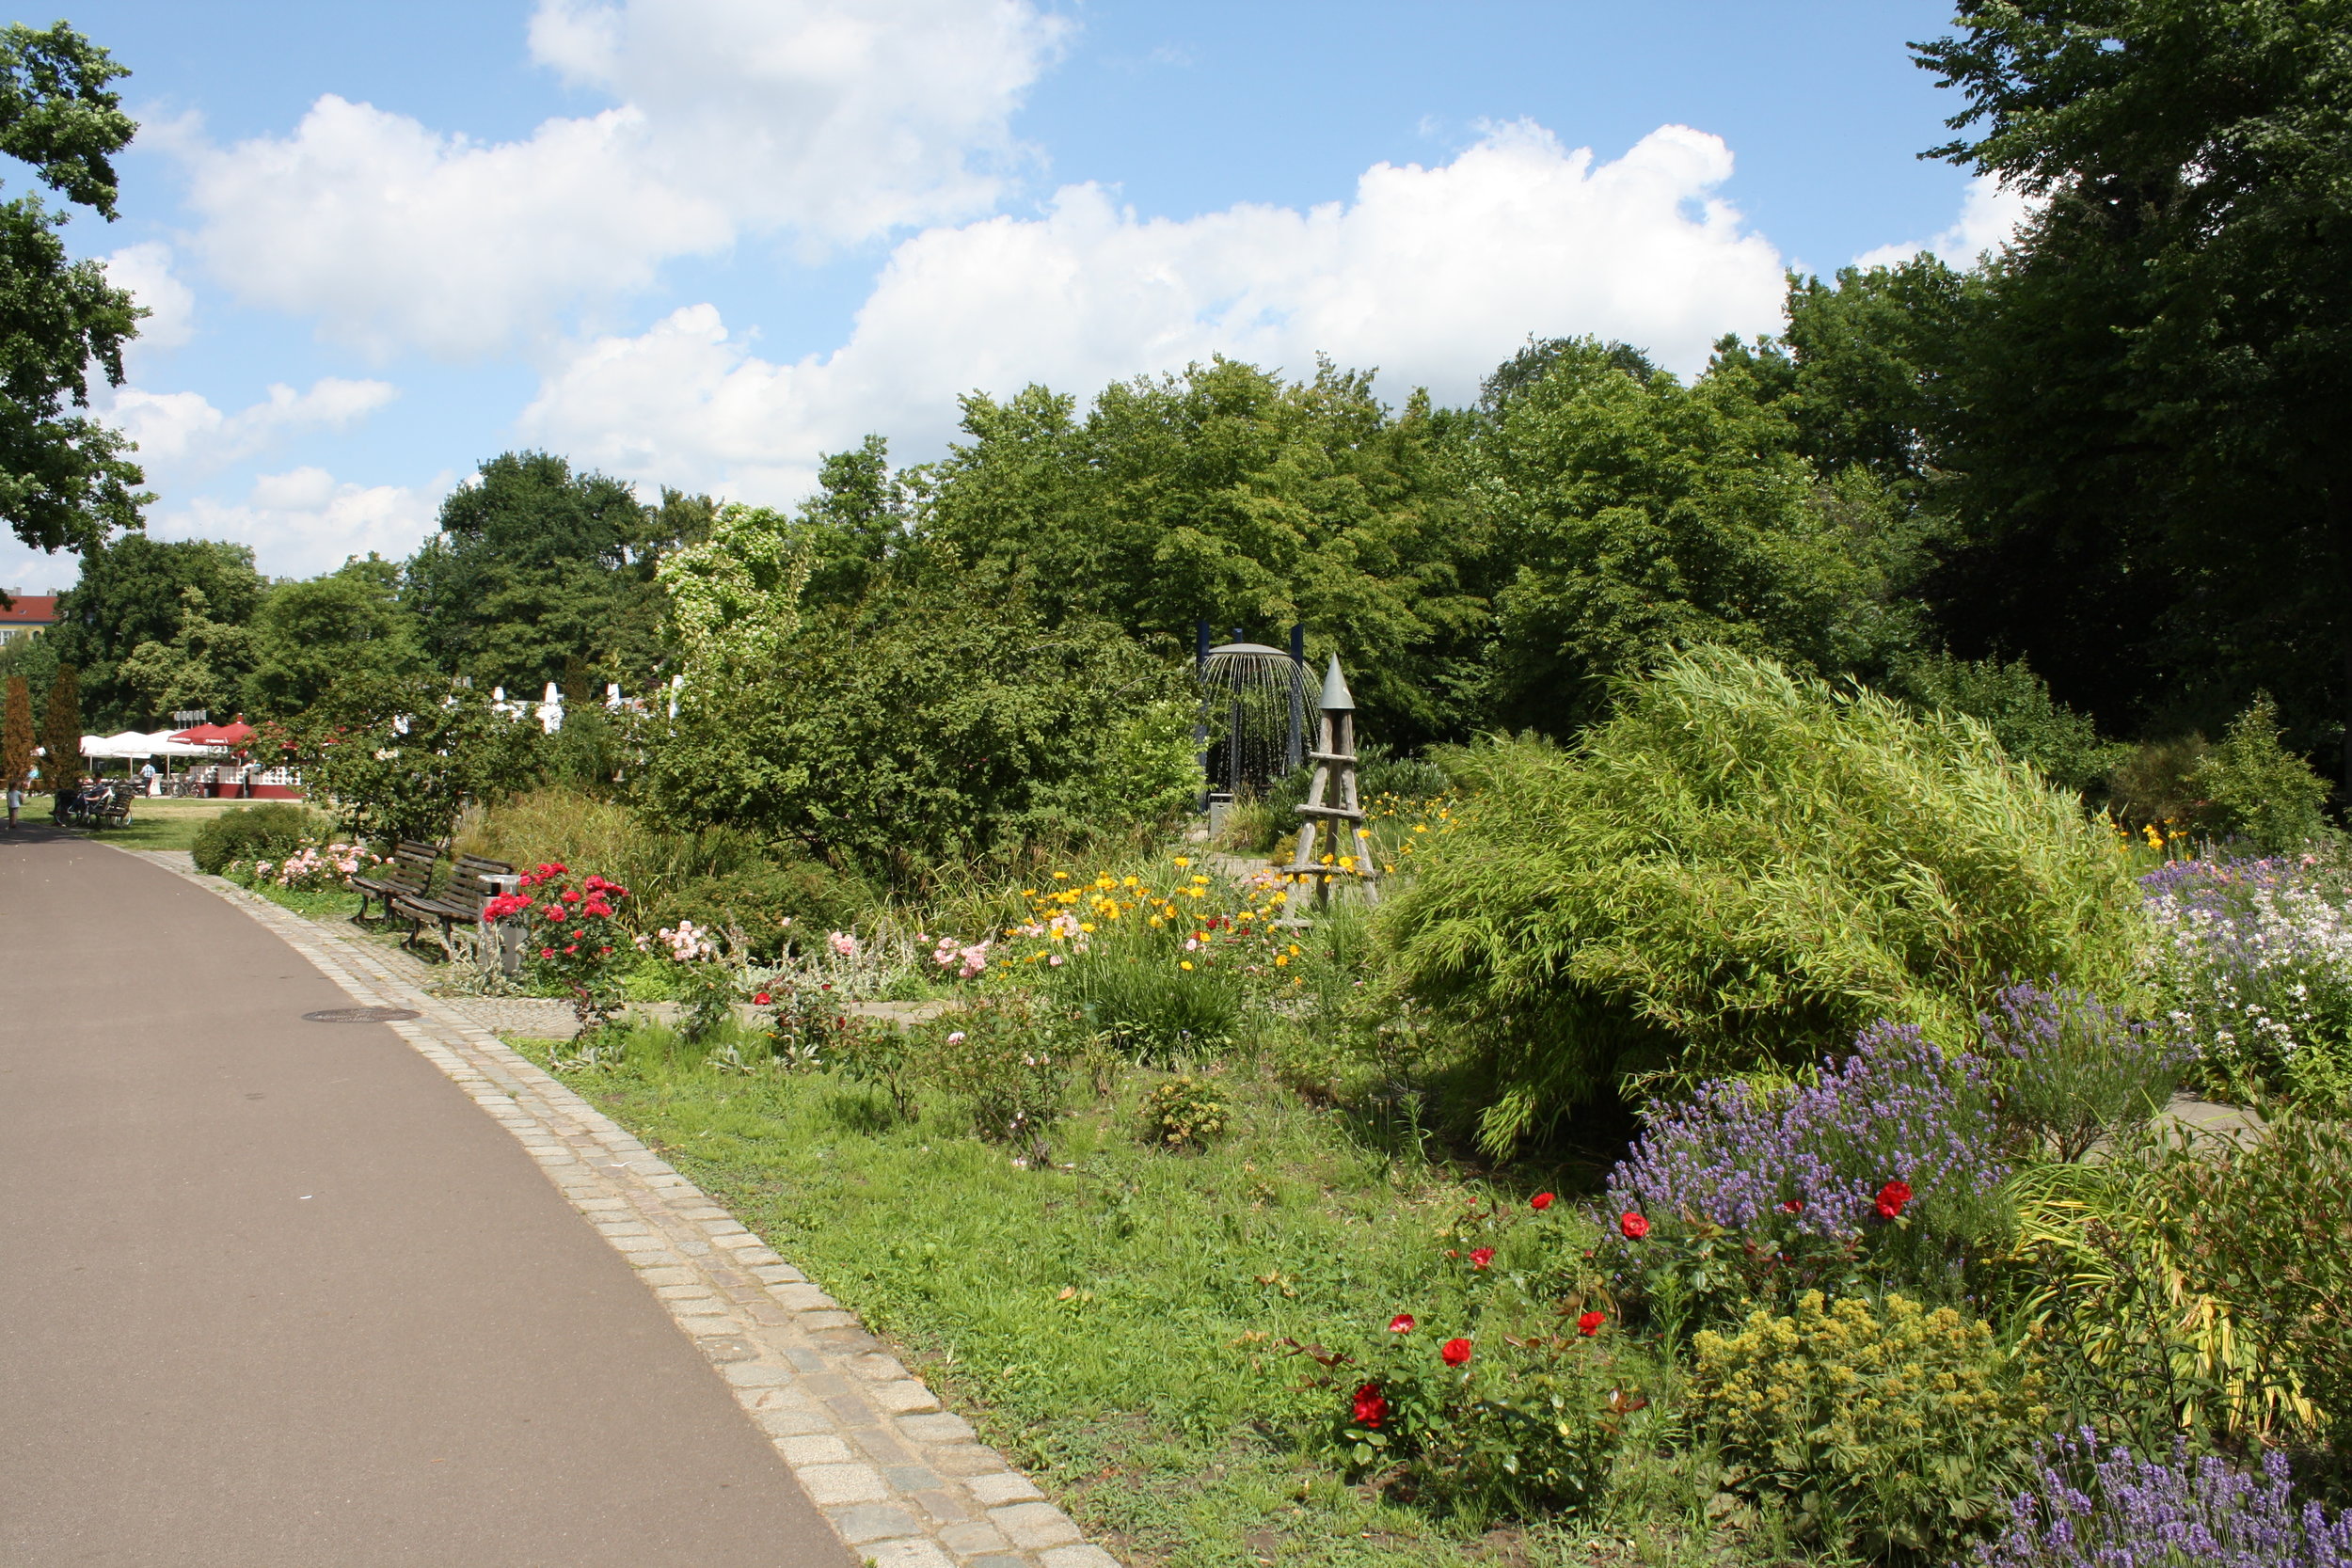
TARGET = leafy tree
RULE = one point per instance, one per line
(61, 730)
(1865, 361)
(64, 480)
(196, 669)
(539, 574)
(1229, 495)
(16, 736)
(932, 721)
(132, 593)
(399, 755)
(308, 635)
(2156, 394)
(1643, 516)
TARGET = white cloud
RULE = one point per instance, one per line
(304, 522)
(1434, 275)
(185, 432)
(146, 271)
(826, 120)
(1990, 216)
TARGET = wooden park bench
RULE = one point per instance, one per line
(407, 874)
(115, 812)
(460, 901)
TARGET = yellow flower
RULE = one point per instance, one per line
(1062, 876)
(1086, 926)
(1294, 949)
(1282, 958)
(1418, 827)
(1363, 833)
(1200, 880)
(1129, 881)
(1183, 860)
(1184, 963)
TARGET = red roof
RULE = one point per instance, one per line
(32, 610)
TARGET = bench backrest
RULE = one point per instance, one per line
(469, 879)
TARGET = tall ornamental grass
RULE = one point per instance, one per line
(1737, 869)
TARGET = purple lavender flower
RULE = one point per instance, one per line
(1815, 1159)
(2119, 1510)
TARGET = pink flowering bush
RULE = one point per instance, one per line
(315, 867)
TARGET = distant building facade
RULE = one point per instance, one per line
(32, 612)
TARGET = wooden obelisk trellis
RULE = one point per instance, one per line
(1334, 757)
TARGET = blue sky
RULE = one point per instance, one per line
(700, 241)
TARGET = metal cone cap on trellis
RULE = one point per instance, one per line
(1336, 697)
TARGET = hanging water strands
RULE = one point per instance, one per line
(1253, 720)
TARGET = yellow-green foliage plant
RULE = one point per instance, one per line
(1895, 1430)
(1737, 869)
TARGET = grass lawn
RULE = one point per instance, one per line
(166, 824)
(1115, 1323)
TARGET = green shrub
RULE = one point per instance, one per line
(2271, 1233)
(1896, 1433)
(2258, 790)
(268, 832)
(1184, 1113)
(2016, 706)
(1009, 1060)
(1737, 869)
(719, 878)
(2154, 783)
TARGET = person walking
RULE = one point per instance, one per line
(16, 801)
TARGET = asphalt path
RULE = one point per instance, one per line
(277, 1293)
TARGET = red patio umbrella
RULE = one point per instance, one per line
(235, 734)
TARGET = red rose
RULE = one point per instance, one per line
(1891, 1199)
(1634, 1225)
(1589, 1324)
(761, 1000)
(1454, 1352)
(603, 952)
(547, 952)
(571, 896)
(1540, 1202)
(1795, 1206)
(1482, 1257)
(1401, 1324)
(570, 951)
(1371, 1409)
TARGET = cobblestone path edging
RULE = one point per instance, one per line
(903, 1482)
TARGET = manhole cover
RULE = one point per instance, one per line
(359, 1015)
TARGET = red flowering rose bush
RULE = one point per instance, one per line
(1503, 1390)
(575, 945)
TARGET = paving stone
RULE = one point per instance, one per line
(1031, 1526)
(828, 1484)
(970, 1536)
(799, 1422)
(880, 1369)
(814, 1321)
(824, 1449)
(942, 1506)
(904, 1397)
(779, 1274)
(867, 1522)
(804, 1298)
(995, 1562)
(939, 1428)
(907, 1554)
(909, 1478)
(667, 1276)
(1008, 1487)
(968, 1459)
(1080, 1555)
(753, 1374)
